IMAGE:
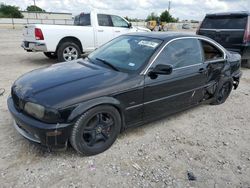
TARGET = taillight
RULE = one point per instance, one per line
(39, 34)
(247, 32)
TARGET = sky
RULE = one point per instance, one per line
(183, 9)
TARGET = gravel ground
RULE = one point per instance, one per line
(210, 143)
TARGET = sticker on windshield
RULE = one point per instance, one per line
(131, 64)
(148, 43)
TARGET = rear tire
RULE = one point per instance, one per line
(50, 55)
(222, 93)
(68, 51)
(96, 130)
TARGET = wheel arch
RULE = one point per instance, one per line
(85, 106)
(70, 39)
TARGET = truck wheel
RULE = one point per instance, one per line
(222, 92)
(50, 55)
(96, 130)
(68, 51)
(245, 63)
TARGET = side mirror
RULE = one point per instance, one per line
(129, 25)
(160, 70)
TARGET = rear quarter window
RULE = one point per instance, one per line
(224, 22)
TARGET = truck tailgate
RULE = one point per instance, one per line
(229, 38)
(29, 33)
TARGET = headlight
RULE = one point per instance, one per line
(35, 110)
(42, 113)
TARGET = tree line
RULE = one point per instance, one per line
(164, 17)
(9, 11)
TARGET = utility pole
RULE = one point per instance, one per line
(169, 6)
(35, 8)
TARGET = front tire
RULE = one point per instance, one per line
(96, 130)
(50, 55)
(68, 51)
(222, 93)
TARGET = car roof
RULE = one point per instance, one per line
(238, 13)
(162, 35)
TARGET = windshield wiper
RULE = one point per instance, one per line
(90, 60)
(107, 63)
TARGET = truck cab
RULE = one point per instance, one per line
(68, 42)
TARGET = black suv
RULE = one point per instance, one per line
(231, 30)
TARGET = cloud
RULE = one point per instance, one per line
(183, 9)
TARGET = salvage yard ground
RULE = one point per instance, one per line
(212, 142)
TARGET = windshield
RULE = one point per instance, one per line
(125, 53)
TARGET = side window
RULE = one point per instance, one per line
(181, 53)
(119, 22)
(85, 19)
(210, 51)
(104, 20)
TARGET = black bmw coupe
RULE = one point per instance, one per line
(129, 81)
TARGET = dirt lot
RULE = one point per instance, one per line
(212, 142)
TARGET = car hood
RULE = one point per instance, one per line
(49, 86)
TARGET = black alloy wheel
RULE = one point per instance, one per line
(96, 130)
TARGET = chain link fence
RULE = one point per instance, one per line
(20, 22)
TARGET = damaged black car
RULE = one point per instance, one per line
(129, 81)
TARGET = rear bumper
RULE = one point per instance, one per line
(34, 46)
(48, 135)
(244, 51)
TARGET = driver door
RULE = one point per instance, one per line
(120, 26)
(104, 31)
(168, 94)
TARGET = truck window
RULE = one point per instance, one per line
(210, 51)
(82, 19)
(119, 22)
(224, 22)
(104, 20)
(77, 20)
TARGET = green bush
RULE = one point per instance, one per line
(8, 11)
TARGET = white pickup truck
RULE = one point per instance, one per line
(67, 42)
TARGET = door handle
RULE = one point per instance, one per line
(117, 31)
(100, 30)
(202, 70)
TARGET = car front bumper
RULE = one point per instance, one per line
(34, 46)
(48, 135)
